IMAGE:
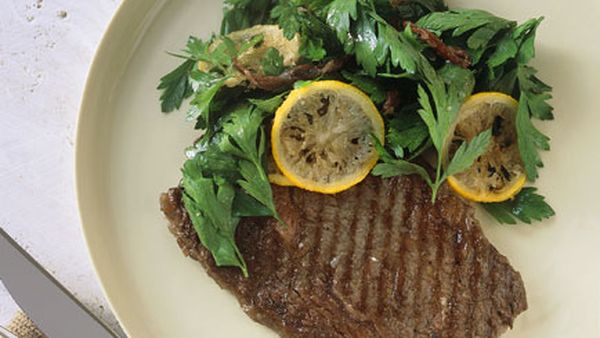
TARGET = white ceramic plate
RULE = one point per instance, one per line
(128, 153)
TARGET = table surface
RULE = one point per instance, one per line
(45, 51)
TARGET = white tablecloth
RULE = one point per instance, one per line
(45, 50)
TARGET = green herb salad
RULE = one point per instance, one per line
(453, 88)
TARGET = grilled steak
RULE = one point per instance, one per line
(378, 260)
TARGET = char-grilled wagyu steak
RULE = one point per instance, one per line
(378, 260)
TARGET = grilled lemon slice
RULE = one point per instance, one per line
(273, 37)
(322, 136)
(498, 174)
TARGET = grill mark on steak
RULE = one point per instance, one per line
(439, 277)
(370, 251)
(392, 307)
(425, 271)
(440, 297)
(312, 210)
(461, 306)
(385, 275)
(313, 257)
(286, 270)
(429, 281)
(484, 288)
(328, 231)
(453, 286)
(472, 282)
(359, 258)
(474, 286)
(357, 270)
(345, 245)
(462, 267)
(399, 245)
(457, 244)
(414, 289)
(412, 257)
(294, 265)
(379, 252)
(338, 251)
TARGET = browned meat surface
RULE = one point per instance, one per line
(378, 260)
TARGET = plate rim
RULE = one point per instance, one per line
(112, 30)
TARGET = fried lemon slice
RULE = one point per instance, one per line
(498, 174)
(321, 138)
(273, 37)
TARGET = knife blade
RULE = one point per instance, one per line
(49, 305)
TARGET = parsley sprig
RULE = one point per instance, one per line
(526, 207)
(304, 17)
(176, 87)
(440, 102)
(226, 180)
